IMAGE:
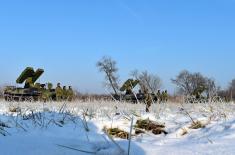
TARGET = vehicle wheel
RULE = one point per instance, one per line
(29, 99)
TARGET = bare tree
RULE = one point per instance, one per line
(1, 92)
(108, 66)
(147, 81)
(231, 89)
(189, 82)
(212, 89)
(183, 82)
(229, 93)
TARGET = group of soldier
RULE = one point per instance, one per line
(64, 93)
(58, 94)
(161, 97)
(61, 94)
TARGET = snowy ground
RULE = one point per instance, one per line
(77, 128)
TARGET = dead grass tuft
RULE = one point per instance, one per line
(149, 125)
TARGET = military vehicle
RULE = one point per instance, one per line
(199, 96)
(129, 95)
(30, 91)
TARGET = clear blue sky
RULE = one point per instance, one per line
(67, 37)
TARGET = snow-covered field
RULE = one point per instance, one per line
(77, 128)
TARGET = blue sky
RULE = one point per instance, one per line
(67, 38)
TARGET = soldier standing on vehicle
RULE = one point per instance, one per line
(49, 86)
(59, 92)
(70, 94)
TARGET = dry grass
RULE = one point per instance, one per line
(116, 132)
(149, 125)
(197, 125)
(184, 131)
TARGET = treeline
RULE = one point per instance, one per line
(228, 93)
(187, 83)
(1, 92)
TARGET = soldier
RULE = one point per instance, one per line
(65, 93)
(148, 100)
(44, 95)
(47, 92)
(164, 96)
(49, 86)
(59, 92)
(159, 96)
(70, 94)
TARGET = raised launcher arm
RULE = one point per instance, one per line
(199, 91)
(29, 73)
(129, 85)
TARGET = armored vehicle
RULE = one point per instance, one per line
(199, 96)
(30, 91)
(129, 95)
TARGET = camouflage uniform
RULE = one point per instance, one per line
(45, 95)
(47, 92)
(70, 94)
(49, 86)
(65, 93)
(148, 100)
(59, 92)
(164, 96)
(159, 96)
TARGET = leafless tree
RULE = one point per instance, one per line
(1, 92)
(231, 89)
(108, 66)
(183, 82)
(229, 93)
(189, 82)
(212, 89)
(147, 81)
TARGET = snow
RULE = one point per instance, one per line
(77, 128)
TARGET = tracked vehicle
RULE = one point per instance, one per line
(129, 95)
(30, 91)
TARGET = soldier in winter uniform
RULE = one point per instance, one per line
(70, 94)
(59, 92)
